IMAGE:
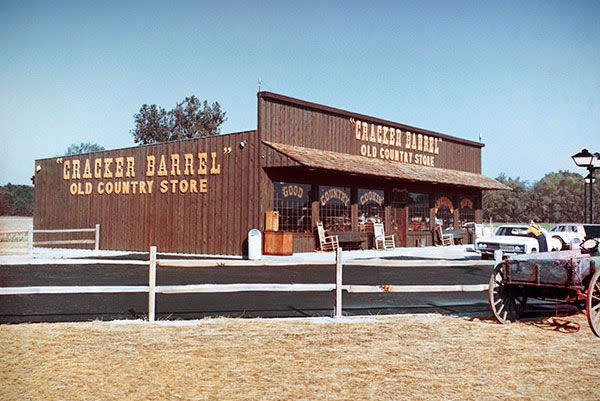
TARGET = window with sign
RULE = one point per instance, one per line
(418, 211)
(444, 212)
(370, 206)
(335, 208)
(466, 211)
(292, 201)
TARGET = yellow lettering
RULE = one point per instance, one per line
(175, 170)
(119, 161)
(75, 174)
(379, 137)
(203, 185)
(100, 188)
(162, 167)
(109, 187)
(365, 132)
(87, 170)
(384, 140)
(164, 186)
(150, 162)
(202, 157)
(66, 170)
(189, 164)
(107, 172)
(193, 187)
(97, 168)
(73, 188)
(357, 132)
(130, 167)
(215, 168)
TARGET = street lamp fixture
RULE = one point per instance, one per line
(584, 159)
(590, 161)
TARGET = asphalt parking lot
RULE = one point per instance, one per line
(84, 307)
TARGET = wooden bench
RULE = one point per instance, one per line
(348, 239)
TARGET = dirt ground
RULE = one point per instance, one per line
(378, 358)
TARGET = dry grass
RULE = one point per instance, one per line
(14, 223)
(385, 358)
(10, 243)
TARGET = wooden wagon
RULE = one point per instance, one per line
(572, 276)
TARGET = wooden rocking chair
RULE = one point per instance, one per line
(328, 243)
(382, 241)
(445, 239)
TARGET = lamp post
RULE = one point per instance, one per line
(590, 161)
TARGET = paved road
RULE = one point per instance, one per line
(81, 307)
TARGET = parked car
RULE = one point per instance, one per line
(514, 239)
(574, 233)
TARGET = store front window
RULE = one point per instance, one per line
(370, 206)
(335, 208)
(444, 211)
(418, 211)
(292, 201)
(466, 211)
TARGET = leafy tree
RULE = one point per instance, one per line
(557, 197)
(189, 119)
(152, 124)
(16, 200)
(83, 147)
(507, 206)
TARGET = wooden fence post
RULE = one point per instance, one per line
(30, 239)
(152, 285)
(97, 238)
(338, 283)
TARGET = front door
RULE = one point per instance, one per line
(398, 219)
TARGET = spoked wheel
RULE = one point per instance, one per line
(507, 302)
(593, 303)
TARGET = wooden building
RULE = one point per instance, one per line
(309, 162)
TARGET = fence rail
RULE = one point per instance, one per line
(31, 231)
(152, 289)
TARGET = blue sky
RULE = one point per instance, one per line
(525, 75)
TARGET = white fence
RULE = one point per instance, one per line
(152, 289)
(31, 231)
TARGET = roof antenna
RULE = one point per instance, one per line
(260, 82)
(480, 137)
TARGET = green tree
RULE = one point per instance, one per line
(558, 197)
(152, 125)
(17, 200)
(190, 118)
(83, 147)
(507, 206)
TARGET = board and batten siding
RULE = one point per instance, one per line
(214, 222)
(296, 122)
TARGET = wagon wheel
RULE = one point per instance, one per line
(593, 303)
(507, 302)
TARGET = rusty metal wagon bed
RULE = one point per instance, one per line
(572, 276)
